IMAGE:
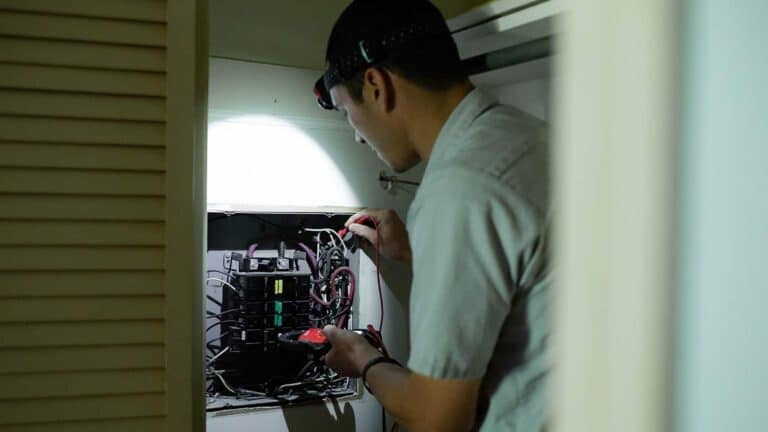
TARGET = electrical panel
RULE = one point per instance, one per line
(287, 281)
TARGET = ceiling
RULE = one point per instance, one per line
(285, 32)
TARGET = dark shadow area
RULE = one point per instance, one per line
(238, 231)
(316, 418)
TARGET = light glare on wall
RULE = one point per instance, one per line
(263, 162)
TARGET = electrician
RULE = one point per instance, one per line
(476, 233)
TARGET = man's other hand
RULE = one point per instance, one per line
(394, 236)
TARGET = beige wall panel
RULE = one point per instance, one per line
(17, 180)
(84, 322)
(82, 358)
(87, 283)
(69, 334)
(50, 410)
(81, 131)
(57, 27)
(81, 258)
(139, 10)
(81, 54)
(82, 233)
(82, 80)
(46, 309)
(90, 106)
(69, 384)
(15, 154)
(82, 208)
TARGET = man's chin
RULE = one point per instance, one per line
(400, 168)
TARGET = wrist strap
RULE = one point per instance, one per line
(373, 363)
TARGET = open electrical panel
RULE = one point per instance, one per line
(271, 277)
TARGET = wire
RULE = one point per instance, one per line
(305, 369)
(251, 250)
(318, 299)
(219, 315)
(289, 385)
(379, 340)
(224, 383)
(217, 356)
(341, 240)
(222, 336)
(331, 233)
(378, 273)
(214, 300)
(311, 258)
(350, 294)
(338, 313)
(319, 231)
(225, 283)
(217, 323)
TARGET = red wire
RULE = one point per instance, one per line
(350, 295)
(378, 273)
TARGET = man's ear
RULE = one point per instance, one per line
(379, 88)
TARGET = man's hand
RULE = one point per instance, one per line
(394, 237)
(349, 351)
(420, 402)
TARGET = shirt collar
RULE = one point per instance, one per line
(470, 108)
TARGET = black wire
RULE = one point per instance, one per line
(211, 298)
(336, 250)
(218, 315)
(209, 344)
(305, 369)
(217, 323)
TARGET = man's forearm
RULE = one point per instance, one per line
(424, 404)
(420, 402)
(390, 384)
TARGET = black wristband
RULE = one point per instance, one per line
(373, 363)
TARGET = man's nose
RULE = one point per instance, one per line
(359, 138)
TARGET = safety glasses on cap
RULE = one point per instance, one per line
(323, 95)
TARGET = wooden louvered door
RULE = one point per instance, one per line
(100, 213)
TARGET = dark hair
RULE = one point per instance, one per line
(427, 56)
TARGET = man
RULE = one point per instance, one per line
(476, 233)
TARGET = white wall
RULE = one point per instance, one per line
(266, 133)
(271, 146)
(527, 87)
(721, 313)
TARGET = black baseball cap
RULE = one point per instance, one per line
(368, 31)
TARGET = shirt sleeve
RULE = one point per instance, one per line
(466, 237)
